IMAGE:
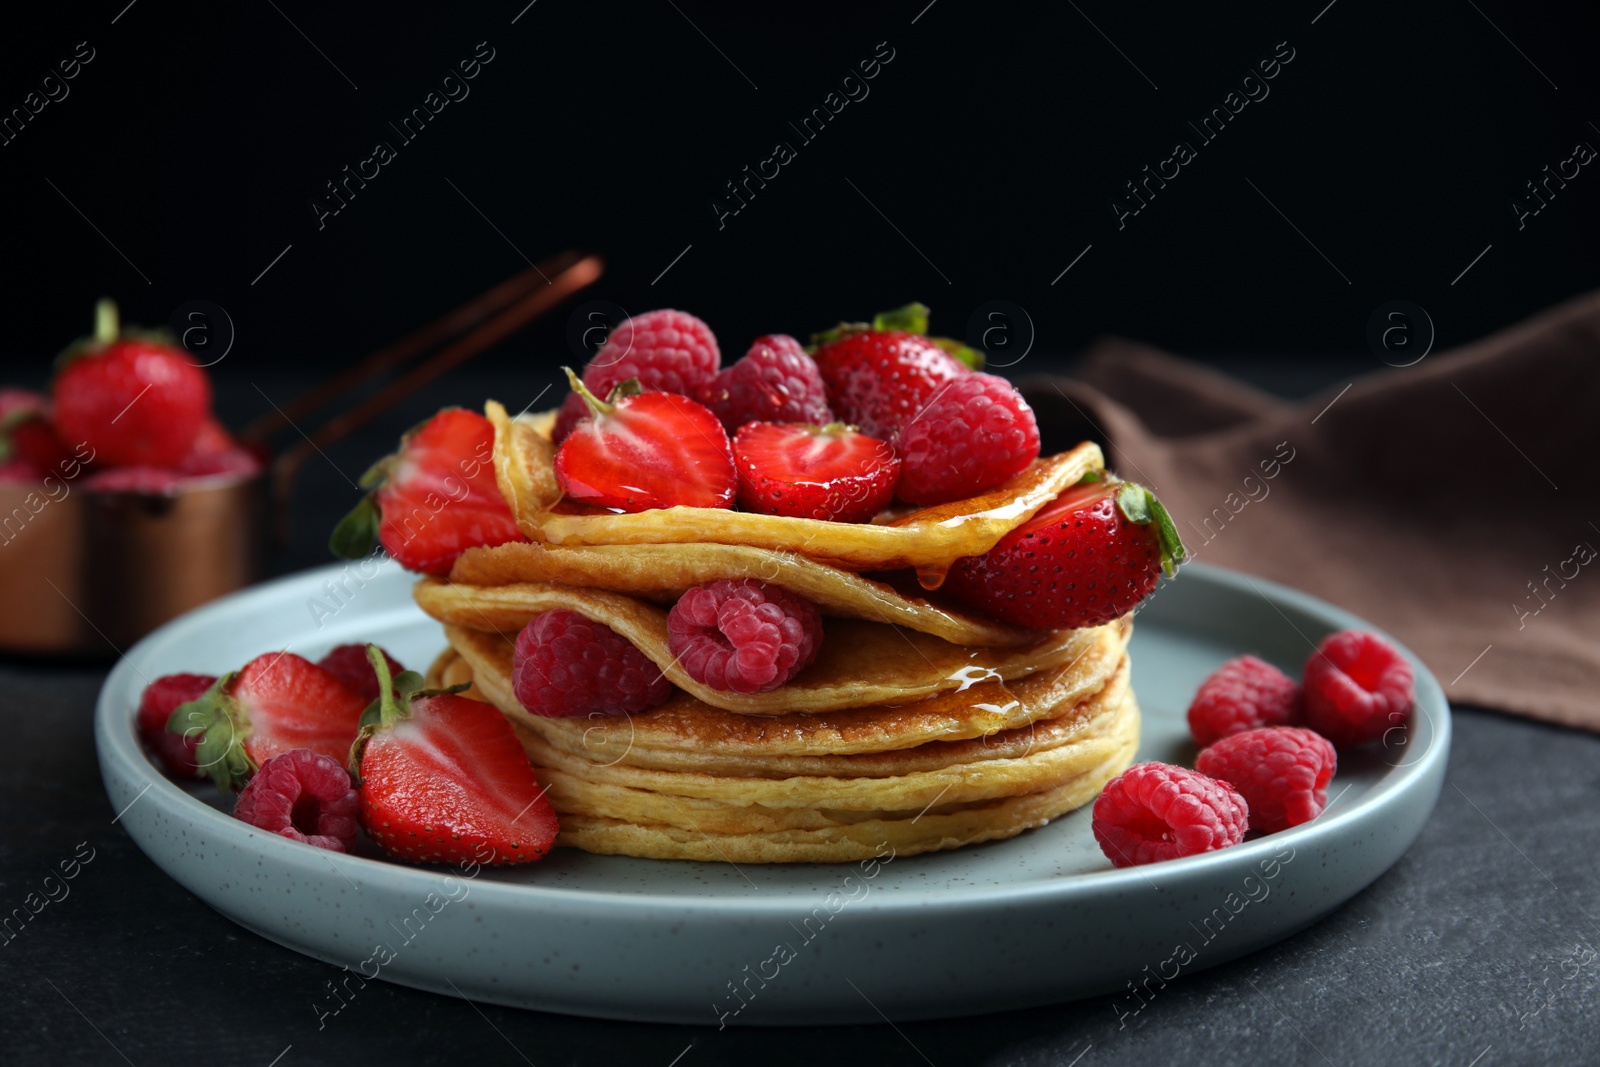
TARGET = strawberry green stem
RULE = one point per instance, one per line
(596, 405)
(106, 324)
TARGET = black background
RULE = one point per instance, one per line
(993, 142)
(991, 147)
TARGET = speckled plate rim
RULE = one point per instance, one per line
(1429, 736)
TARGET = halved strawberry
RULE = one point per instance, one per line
(444, 780)
(1088, 557)
(434, 498)
(646, 450)
(277, 702)
(814, 472)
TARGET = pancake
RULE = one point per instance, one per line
(1084, 746)
(685, 723)
(929, 539)
(663, 572)
(900, 833)
(968, 774)
(859, 663)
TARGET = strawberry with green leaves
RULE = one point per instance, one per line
(443, 778)
(879, 376)
(1085, 559)
(275, 703)
(433, 499)
(134, 397)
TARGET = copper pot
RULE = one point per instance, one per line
(89, 571)
(86, 572)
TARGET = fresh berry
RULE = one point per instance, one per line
(974, 432)
(350, 665)
(1358, 688)
(878, 379)
(1281, 771)
(828, 472)
(1087, 558)
(743, 635)
(1242, 694)
(304, 796)
(150, 481)
(215, 452)
(667, 351)
(276, 703)
(646, 450)
(445, 780)
(573, 411)
(434, 499)
(134, 401)
(1155, 811)
(27, 435)
(568, 664)
(18, 472)
(775, 382)
(156, 705)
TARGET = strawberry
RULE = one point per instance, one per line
(136, 400)
(879, 379)
(828, 472)
(215, 451)
(156, 705)
(27, 437)
(646, 450)
(433, 499)
(444, 780)
(1085, 559)
(275, 703)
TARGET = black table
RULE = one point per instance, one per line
(1479, 948)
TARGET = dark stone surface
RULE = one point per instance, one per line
(1481, 946)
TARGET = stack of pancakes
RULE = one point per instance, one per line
(918, 727)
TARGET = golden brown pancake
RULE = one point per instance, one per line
(662, 573)
(859, 663)
(929, 538)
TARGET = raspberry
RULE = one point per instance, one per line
(156, 705)
(568, 664)
(350, 665)
(775, 382)
(303, 796)
(970, 436)
(1281, 771)
(1358, 687)
(743, 635)
(1155, 811)
(668, 351)
(573, 411)
(1242, 694)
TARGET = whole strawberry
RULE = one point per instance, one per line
(156, 704)
(433, 499)
(27, 436)
(444, 780)
(275, 703)
(134, 400)
(1088, 557)
(814, 472)
(879, 379)
(640, 450)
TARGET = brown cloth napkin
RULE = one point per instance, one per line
(1454, 503)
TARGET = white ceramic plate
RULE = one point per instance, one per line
(1037, 919)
